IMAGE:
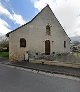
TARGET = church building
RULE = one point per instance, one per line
(43, 35)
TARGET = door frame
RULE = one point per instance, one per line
(47, 47)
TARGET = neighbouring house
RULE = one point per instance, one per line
(75, 46)
(43, 35)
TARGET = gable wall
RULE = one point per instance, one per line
(35, 35)
(38, 26)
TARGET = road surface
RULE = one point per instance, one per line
(14, 79)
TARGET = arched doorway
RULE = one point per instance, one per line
(47, 47)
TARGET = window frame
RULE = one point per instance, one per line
(48, 30)
(22, 42)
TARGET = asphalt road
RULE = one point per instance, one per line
(18, 80)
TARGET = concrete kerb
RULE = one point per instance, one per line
(44, 73)
(50, 64)
(47, 70)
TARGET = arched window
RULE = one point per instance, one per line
(22, 42)
(48, 30)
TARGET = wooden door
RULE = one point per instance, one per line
(47, 47)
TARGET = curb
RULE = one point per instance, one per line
(48, 71)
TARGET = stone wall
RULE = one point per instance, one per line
(35, 34)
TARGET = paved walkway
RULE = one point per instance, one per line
(57, 63)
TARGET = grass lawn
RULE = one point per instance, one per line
(4, 54)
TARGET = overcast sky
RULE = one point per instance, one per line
(14, 13)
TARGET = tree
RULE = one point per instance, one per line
(4, 43)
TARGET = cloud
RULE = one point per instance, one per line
(66, 11)
(4, 11)
(16, 18)
(40, 4)
(4, 27)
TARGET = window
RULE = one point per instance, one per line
(64, 44)
(48, 30)
(22, 42)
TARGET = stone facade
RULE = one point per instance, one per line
(34, 32)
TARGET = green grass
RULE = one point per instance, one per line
(4, 54)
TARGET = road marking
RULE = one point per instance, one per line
(44, 73)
